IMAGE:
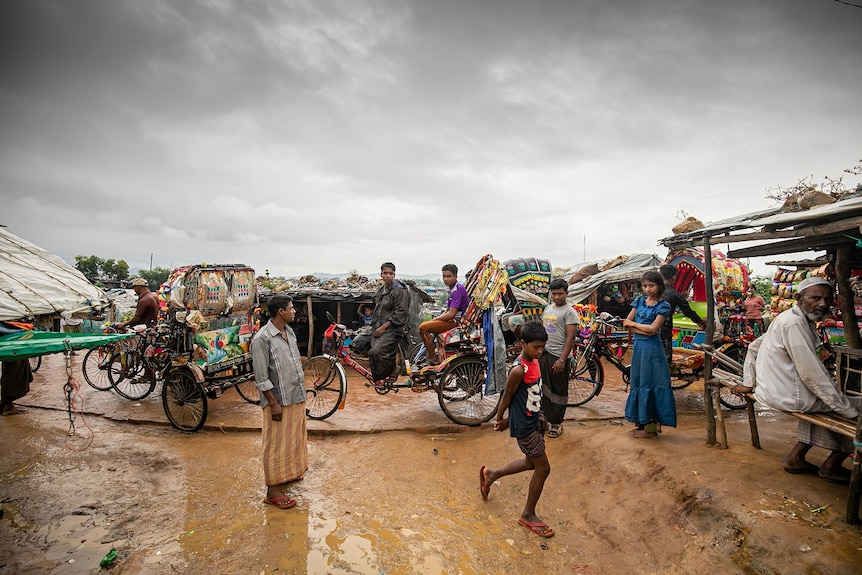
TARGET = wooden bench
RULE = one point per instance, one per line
(833, 422)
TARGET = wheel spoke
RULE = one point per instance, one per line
(184, 402)
(461, 392)
(325, 386)
(95, 367)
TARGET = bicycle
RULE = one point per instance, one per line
(96, 362)
(587, 374)
(135, 369)
(459, 381)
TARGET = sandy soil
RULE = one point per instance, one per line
(404, 502)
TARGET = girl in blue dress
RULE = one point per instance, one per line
(650, 403)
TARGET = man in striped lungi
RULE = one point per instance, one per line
(279, 378)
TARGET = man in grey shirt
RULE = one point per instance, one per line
(279, 378)
(561, 323)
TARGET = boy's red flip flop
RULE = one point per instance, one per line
(540, 528)
(485, 489)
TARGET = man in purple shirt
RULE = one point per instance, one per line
(455, 308)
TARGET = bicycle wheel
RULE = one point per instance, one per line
(736, 352)
(128, 376)
(586, 378)
(35, 363)
(248, 391)
(461, 392)
(95, 367)
(325, 386)
(184, 401)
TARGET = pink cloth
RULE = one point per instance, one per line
(753, 306)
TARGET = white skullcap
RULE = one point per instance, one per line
(811, 282)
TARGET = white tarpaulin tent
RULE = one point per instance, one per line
(632, 268)
(35, 282)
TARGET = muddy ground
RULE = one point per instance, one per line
(404, 502)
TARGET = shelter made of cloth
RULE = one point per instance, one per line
(34, 282)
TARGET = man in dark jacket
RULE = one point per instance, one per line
(676, 301)
(390, 325)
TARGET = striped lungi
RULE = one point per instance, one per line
(285, 446)
(811, 434)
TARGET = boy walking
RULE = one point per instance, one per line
(523, 399)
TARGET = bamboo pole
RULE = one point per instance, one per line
(855, 477)
(845, 297)
(710, 334)
(308, 304)
(716, 403)
(752, 420)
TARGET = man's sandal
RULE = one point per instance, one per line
(281, 501)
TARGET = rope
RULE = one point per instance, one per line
(74, 402)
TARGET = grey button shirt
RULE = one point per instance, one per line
(277, 365)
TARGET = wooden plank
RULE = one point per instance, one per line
(855, 495)
(710, 335)
(309, 304)
(847, 428)
(765, 234)
(803, 244)
(723, 376)
(845, 296)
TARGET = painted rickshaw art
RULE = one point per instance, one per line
(212, 305)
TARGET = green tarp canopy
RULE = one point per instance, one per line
(24, 344)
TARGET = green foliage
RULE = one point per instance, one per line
(763, 285)
(95, 268)
(155, 277)
(121, 270)
(89, 266)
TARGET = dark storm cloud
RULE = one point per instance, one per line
(242, 129)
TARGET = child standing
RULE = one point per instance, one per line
(523, 399)
(650, 403)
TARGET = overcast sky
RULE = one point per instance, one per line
(323, 136)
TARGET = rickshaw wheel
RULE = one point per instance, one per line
(586, 378)
(130, 381)
(248, 391)
(95, 367)
(325, 386)
(461, 392)
(184, 401)
(35, 363)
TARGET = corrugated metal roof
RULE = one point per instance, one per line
(720, 227)
(773, 218)
(842, 208)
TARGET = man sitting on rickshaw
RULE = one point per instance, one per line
(456, 305)
(389, 324)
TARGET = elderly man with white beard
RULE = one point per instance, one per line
(784, 370)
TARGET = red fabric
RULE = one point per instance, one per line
(685, 277)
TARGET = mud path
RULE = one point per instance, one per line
(408, 503)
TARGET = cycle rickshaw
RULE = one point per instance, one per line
(209, 314)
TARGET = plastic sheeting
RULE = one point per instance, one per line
(24, 344)
(633, 267)
(35, 282)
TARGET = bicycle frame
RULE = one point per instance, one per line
(460, 381)
(596, 345)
